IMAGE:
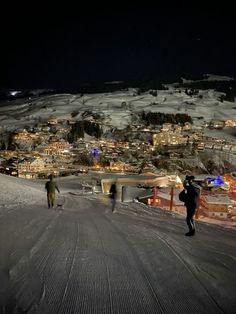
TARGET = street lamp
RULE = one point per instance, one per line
(154, 195)
(172, 196)
(176, 180)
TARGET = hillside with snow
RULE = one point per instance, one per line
(120, 108)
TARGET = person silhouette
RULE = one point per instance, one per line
(51, 187)
(113, 192)
(191, 202)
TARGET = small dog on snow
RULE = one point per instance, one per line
(59, 207)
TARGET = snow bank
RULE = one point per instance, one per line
(16, 191)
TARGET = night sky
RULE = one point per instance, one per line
(65, 47)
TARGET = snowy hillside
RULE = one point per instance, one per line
(117, 109)
(16, 192)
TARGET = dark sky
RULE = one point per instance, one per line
(65, 47)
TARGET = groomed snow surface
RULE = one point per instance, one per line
(85, 259)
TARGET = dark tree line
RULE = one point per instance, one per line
(227, 87)
(6, 140)
(159, 118)
(80, 127)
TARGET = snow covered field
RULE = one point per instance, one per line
(85, 259)
(117, 108)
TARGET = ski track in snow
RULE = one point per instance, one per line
(86, 259)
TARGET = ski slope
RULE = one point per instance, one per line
(86, 259)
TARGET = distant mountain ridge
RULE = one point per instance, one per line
(219, 83)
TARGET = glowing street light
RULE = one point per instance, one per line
(94, 152)
(218, 181)
(14, 93)
(174, 181)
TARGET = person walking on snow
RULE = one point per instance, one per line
(51, 187)
(192, 198)
(113, 192)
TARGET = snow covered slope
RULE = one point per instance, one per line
(16, 192)
(117, 108)
(85, 259)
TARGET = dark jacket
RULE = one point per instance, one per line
(113, 191)
(192, 196)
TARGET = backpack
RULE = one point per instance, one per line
(182, 196)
